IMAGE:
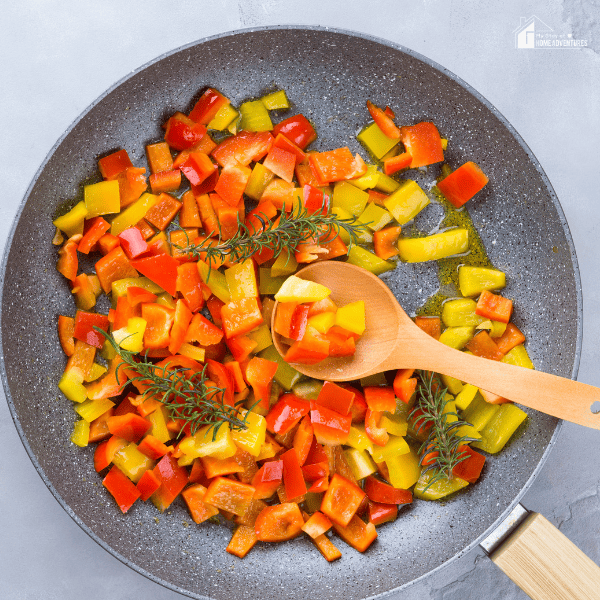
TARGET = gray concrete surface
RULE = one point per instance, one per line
(57, 57)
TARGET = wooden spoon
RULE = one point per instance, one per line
(392, 341)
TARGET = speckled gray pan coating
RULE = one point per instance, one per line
(328, 75)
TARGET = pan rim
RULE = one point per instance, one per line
(301, 28)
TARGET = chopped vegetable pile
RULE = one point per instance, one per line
(178, 384)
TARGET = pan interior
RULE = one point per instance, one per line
(328, 76)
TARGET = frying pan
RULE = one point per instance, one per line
(328, 75)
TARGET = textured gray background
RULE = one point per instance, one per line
(56, 58)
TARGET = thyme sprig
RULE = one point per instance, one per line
(291, 230)
(440, 452)
(185, 393)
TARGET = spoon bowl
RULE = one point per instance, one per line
(392, 341)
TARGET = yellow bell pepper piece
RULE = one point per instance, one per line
(357, 438)
(258, 182)
(185, 460)
(394, 424)
(375, 141)
(131, 337)
(71, 385)
(193, 352)
(396, 445)
(95, 372)
(479, 412)
(132, 462)
(453, 385)
(102, 198)
(286, 375)
(285, 264)
(360, 463)
(276, 100)
(368, 260)
(496, 328)
(133, 214)
(301, 290)
(473, 280)
(440, 489)
(374, 380)
(466, 396)
(464, 430)
(368, 180)
(363, 234)
(374, 217)
(119, 287)
(386, 184)
(352, 317)
(255, 116)
(159, 429)
(322, 322)
(165, 299)
(203, 444)
(407, 201)
(460, 313)
(262, 336)
(434, 247)
(81, 433)
(500, 428)
(92, 409)
(224, 117)
(308, 390)
(267, 283)
(349, 197)
(72, 222)
(457, 337)
(404, 469)
(252, 438)
(267, 450)
(215, 280)
(241, 280)
(518, 356)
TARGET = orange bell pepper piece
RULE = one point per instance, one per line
(121, 488)
(385, 240)
(259, 374)
(423, 142)
(159, 320)
(341, 500)
(462, 184)
(483, 345)
(241, 316)
(494, 307)
(430, 325)
(279, 523)
(112, 165)
(511, 338)
(405, 384)
(380, 399)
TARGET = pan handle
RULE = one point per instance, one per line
(545, 564)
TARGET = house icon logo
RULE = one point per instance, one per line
(525, 33)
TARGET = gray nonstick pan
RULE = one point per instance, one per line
(328, 75)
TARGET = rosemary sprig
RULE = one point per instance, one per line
(293, 229)
(185, 394)
(440, 451)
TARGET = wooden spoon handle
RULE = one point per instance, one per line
(550, 394)
(546, 565)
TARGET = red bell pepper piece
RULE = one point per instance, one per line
(182, 132)
(245, 147)
(159, 320)
(281, 162)
(470, 468)
(299, 322)
(106, 451)
(293, 480)
(107, 243)
(189, 283)
(173, 479)
(130, 426)
(511, 337)
(336, 398)
(257, 218)
(284, 317)
(296, 129)
(405, 384)
(208, 106)
(330, 427)
(378, 491)
(198, 168)
(204, 332)
(317, 454)
(462, 184)
(215, 467)
(66, 332)
(232, 183)
(378, 435)
(382, 513)
(121, 488)
(430, 325)
(297, 354)
(380, 399)
(152, 447)
(423, 142)
(84, 328)
(147, 484)
(320, 485)
(267, 479)
(235, 371)
(281, 141)
(99, 427)
(214, 306)
(315, 201)
(259, 374)
(110, 166)
(336, 165)
(132, 242)
(241, 347)
(229, 495)
(161, 269)
(124, 311)
(285, 413)
(110, 384)
(303, 439)
(114, 266)
(221, 376)
(132, 184)
(341, 500)
(494, 307)
(137, 295)
(241, 316)
(483, 345)
(95, 229)
(397, 163)
(384, 122)
(316, 471)
(357, 533)
(304, 174)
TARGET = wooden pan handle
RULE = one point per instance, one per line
(546, 565)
